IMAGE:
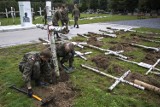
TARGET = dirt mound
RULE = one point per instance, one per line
(101, 61)
(115, 69)
(94, 41)
(61, 92)
(152, 57)
(148, 79)
(122, 46)
(120, 32)
(62, 95)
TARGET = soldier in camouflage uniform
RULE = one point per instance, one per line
(45, 16)
(56, 17)
(76, 15)
(65, 18)
(34, 66)
(65, 52)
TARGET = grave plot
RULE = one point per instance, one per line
(62, 92)
(123, 43)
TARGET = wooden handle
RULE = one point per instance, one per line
(36, 97)
(147, 86)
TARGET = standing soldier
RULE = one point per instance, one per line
(65, 52)
(76, 15)
(45, 16)
(56, 17)
(65, 18)
(35, 66)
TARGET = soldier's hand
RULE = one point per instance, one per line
(30, 92)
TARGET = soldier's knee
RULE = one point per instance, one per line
(21, 67)
(36, 66)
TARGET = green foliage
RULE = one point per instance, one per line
(93, 87)
(142, 29)
(9, 21)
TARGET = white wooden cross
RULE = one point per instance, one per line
(146, 47)
(145, 65)
(118, 80)
(80, 54)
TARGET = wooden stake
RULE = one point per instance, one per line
(147, 86)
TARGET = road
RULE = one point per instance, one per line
(12, 38)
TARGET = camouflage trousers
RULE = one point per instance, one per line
(76, 21)
(38, 71)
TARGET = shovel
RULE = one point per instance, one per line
(43, 101)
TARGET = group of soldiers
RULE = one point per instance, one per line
(61, 14)
(38, 66)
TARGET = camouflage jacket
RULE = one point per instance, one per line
(60, 49)
(28, 61)
(76, 13)
(56, 17)
(64, 14)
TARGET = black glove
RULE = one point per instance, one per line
(30, 92)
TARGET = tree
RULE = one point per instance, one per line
(94, 4)
(103, 4)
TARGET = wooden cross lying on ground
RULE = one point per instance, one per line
(107, 31)
(108, 52)
(82, 35)
(145, 65)
(79, 44)
(151, 40)
(82, 54)
(152, 67)
(146, 47)
(118, 80)
(98, 38)
(104, 34)
(120, 29)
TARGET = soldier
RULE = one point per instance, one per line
(45, 16)
(34, 66)
(65, 18)
(76, 15)
(56, 17)
(65, 52)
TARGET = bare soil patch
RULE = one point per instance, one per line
(122, 46)
(93, 41)
(148, 79)
(101, 61)
(152, 57)
(62, 92)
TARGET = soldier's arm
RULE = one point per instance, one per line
(60, 15)
(27, 73)
(47, 70)
(79, 14)
(72, 13)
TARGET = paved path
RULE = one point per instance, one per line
(31, 36)
(150, 23)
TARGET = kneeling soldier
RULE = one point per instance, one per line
(65, 52)
(33, 66)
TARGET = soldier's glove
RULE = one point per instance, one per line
(51, 81)
(30, 92)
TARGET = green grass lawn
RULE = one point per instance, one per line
(142, 29)
(93, 87)
(108, 18)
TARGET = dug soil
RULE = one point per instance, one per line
(151, 57)
(60, 94)
(101, 61)
(93, 41)
(104, 63)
